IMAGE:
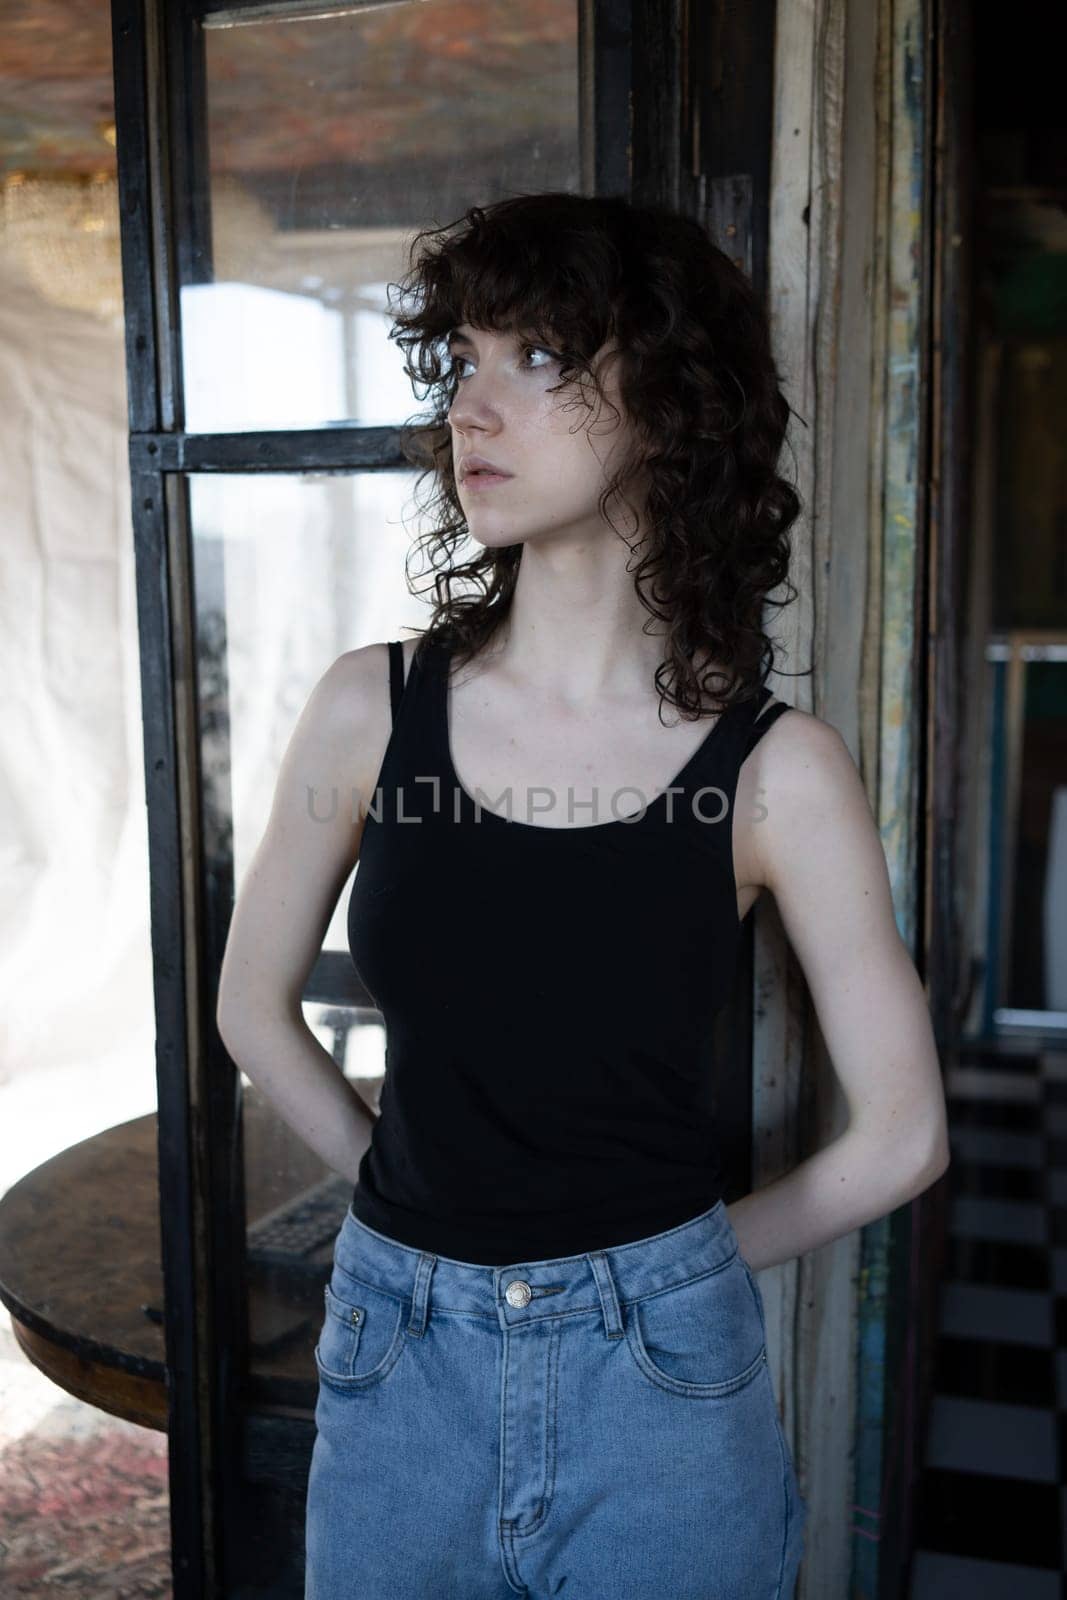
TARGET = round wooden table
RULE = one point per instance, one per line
(81, 1268)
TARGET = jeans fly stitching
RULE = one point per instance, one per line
(551, 1405)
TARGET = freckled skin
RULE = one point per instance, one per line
(560, 455)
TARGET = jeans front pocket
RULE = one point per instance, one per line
(362, 1334)
(703, 1338)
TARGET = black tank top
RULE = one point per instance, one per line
(548, 996)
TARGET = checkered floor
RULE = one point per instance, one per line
(992, 1501)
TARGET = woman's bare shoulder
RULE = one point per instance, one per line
(355, 712)
(347, 718)
(797, 746)
(799, 776)
(351, 688)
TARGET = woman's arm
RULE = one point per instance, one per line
(816, 847)
(286, 901)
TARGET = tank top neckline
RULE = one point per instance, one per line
(470, 808)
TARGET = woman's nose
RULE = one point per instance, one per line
(474, 405)
(465, 413)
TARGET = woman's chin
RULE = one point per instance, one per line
(494, 538)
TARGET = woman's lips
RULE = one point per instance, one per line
(485, 480)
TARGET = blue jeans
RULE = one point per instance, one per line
(600, 1426)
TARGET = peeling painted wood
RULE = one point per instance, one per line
(845, 286)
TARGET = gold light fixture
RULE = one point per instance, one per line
(62, 232)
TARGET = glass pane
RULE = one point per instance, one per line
(1030, 578)
(289, 572)
(1038, 974)
(331, 142)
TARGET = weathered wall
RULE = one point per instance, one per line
(845, 297)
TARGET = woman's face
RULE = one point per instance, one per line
(557, 454)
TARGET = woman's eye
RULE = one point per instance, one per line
(538, 350)
(527, 349)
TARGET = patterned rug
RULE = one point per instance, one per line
(84, 1507)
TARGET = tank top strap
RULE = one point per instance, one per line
(412, 729)
(718, 762)
(396, 675)
(429, 680)
(757, 726)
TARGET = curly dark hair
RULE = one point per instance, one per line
(697, 377)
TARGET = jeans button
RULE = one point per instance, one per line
(518, 1293)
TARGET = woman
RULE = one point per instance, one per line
(542, 1363)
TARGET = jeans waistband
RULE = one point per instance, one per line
(532, 1290)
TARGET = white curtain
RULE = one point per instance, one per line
(76, 1021)
(312, 565)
